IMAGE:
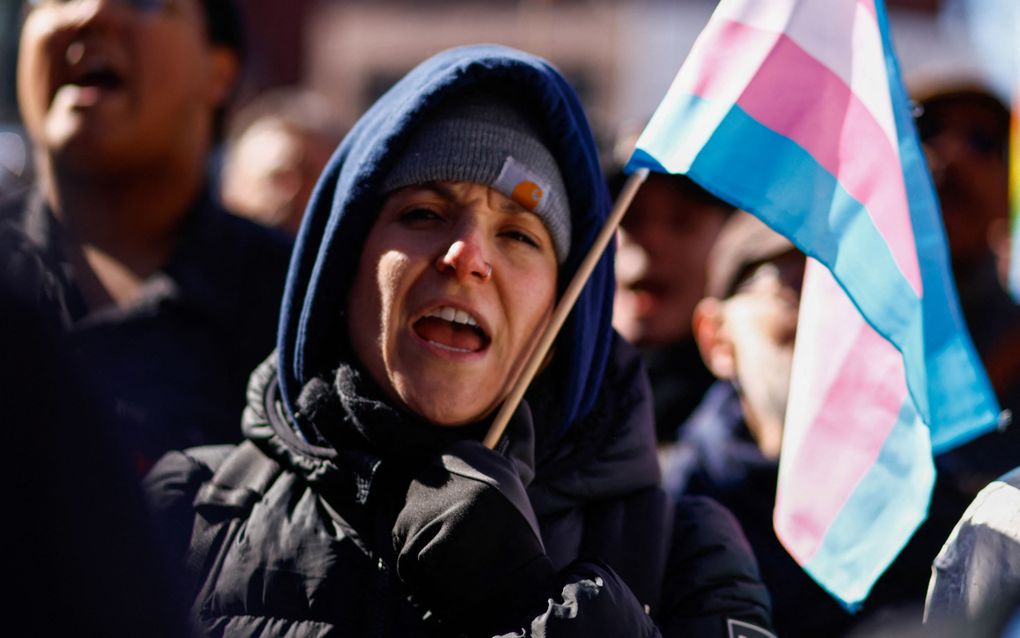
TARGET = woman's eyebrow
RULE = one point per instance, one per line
(439, 189)
(510, 206)
(446, 192)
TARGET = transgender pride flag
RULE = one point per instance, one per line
(794, 110)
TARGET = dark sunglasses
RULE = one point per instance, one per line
(979, 141)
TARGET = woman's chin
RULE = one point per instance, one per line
(451, 413)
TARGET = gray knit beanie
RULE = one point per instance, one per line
(483, 140)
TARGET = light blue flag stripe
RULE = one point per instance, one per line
(964, 405)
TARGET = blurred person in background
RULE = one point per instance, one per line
(82, 558)
(965, 131)
(277, 146)
(664, 241)
(729, 448)
(167, 301)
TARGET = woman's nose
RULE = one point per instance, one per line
(465, 259)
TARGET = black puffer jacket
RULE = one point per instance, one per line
(312, 556)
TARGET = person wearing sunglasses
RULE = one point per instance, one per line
(167, 299)
(964, 128)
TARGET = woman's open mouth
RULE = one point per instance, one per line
(451, 329)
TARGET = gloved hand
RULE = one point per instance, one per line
(468, 545)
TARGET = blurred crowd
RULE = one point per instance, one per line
(146, 232)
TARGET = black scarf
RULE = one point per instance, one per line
(350, 413)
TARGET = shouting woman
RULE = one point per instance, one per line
(435, 247)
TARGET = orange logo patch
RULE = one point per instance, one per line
(527, 194)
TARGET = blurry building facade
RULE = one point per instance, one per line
(620, 54)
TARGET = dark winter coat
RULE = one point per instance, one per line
(368, 521)
(171, 367)
(716, 456)
(313, 555)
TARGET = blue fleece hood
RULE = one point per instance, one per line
(347, 199)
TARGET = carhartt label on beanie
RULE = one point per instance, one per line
(526, 188)
(483, 140)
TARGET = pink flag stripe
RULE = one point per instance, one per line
(797, 97)
(720, 75)
(815, 26)
(835, 323)
(829, 455)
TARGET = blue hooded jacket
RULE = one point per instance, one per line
(347, 198)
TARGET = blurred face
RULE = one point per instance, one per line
(965, 144)
(748, 339)
(761, 322)
(454, 287)
(113, 84)
(660, 266)
(271, 173)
